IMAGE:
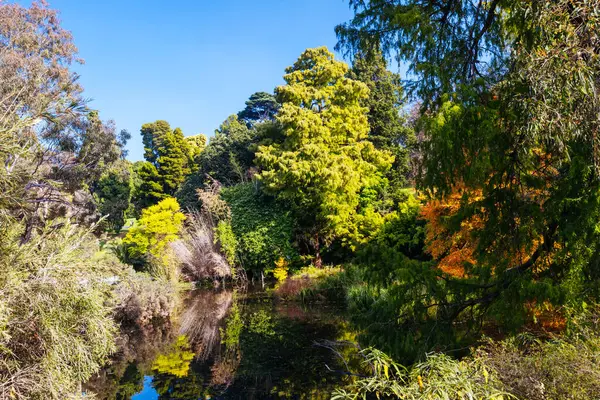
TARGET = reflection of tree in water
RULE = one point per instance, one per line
(137, 350)
(250, 350)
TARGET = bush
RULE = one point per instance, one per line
(553, 370)
(145, 303)
(56, 326)
(149, 240)
(264, 229)
(438, 377)
(312, 283)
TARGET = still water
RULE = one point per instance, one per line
(232, 344)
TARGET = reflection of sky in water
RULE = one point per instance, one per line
(148, 393)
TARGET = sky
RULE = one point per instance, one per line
(189, 62)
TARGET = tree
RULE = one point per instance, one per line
(149, 189)
(325, 162)
(196, 144)
(260, 107)
(114, 192)
(158, 226)
(228, 156)
(388, 126)
(510, 109)
(169, 160)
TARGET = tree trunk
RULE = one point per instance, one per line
(318, 260)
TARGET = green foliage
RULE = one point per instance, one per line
(233, 327)
(228, 157)
(227, 241)
(158, 226)
(509, 113)
(260, 107)
(261, 323)
(149, 189)
(171, 155)
(56, 327)
(559, 369)
(264, 228)
(439, 377)
(388, 126)
(114, 192)
(196, 144)
(325, 160)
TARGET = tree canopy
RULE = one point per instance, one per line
(325, 161)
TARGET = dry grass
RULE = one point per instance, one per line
(197, 252)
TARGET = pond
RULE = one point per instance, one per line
(233, 344)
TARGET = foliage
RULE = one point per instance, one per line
(509, 111)
(438, 377)
(149, 189)
(325, 152)
(228, 156)
(260, 107)
(38, 94)
(55, 310)
(263, 227)
(388, 126)
(144, 303)
(149, 240)
(196, 144)
(227, 241)
(170, 154)
(233, 327)
(539, 370)
(312, 283)
(261, 323)
(114, 192)
(280, 272)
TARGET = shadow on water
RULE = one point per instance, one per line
(230, 345)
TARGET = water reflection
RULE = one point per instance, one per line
(229, 345)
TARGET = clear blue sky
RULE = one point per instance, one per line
(190, 62)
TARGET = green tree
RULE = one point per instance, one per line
(196, 144)
(148, 185)
(114, 192)
(260, 107)
(158, 226)
(325, 162)
(388, 126)
(228, 156)
(170, 154)
(510, 106)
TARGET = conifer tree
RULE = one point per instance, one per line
(325, 162)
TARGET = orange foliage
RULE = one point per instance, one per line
(452, 250)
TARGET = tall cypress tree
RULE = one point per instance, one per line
(168, 163)
(388, 127)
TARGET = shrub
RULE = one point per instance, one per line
(56, 326)
(553, 370)
(227, 241)
(144, 303)
(158, 226)
(264, 228)
(438, 377)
